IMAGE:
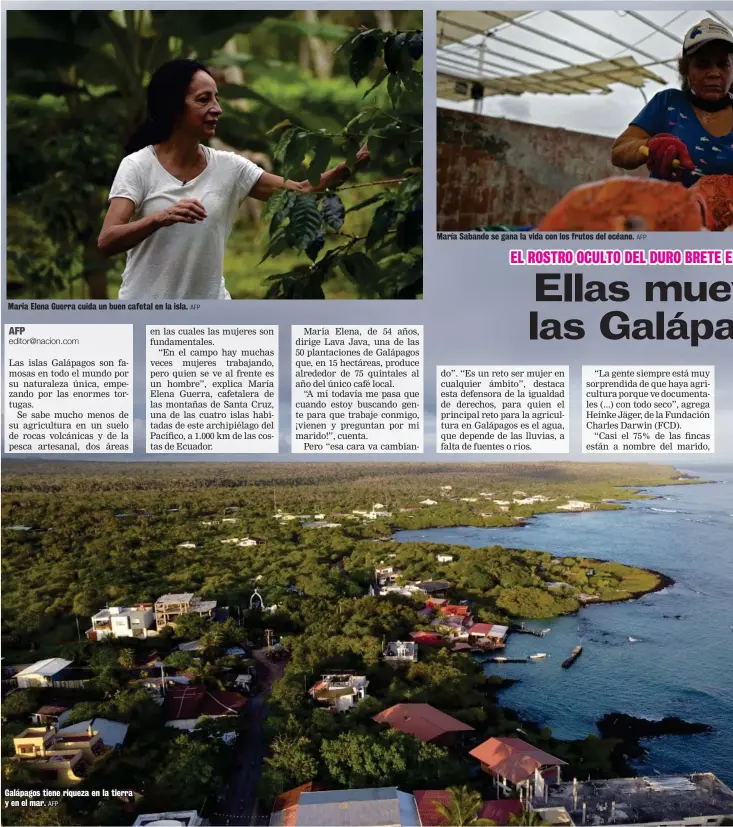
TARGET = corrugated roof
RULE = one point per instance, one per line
(47, 667)
(422, 721)
(184, 703)
(51, 710)
(513, 758)
(553, 52)
(425, 800)
(372, 807)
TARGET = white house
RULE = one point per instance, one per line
(112, 733)
(575, 505)
(469, 499)
(445, 558)
(446, 487)
(429, 501)
(247, 541)
(123, 621)
(340, 691)
(186, 545)
(41, 673)
(400, 651)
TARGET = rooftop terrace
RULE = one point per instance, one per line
(643, 800)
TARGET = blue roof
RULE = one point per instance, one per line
(370, 807)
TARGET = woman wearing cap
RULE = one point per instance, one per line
(692, 126)
(174, 200)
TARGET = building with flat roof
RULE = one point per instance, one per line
(340, 691)
(689, 800)
(62, 759)
(123, 621)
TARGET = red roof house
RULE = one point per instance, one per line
(424, 722)
(184, 706)
(426, 801)
(514, 761)
(454, 610)
(427, 638)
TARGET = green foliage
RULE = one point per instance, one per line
(191, 770)
(293, 758)
(386, 261)
(532, 602)
(76, 88)
(131, 706)
(388, 758)
(463, 808)
(20, 704)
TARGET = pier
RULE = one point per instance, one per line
(521, 629)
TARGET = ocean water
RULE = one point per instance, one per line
(680, 661)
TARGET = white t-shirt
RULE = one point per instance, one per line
(182, 261)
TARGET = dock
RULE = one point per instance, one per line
(521, 629)
(575, 654)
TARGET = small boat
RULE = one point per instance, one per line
(500, 660)
(574, 655)
(538, 656)
(634, 640)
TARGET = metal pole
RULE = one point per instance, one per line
(478, 103)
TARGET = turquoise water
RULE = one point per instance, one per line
(681, 662)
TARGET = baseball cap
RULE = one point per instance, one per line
(704, 32)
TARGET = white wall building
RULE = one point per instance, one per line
(123, 621)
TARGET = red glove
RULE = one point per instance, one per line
(663, 150)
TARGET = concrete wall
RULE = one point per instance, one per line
(496, 171)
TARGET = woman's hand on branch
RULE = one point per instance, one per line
(186, 211)
(333, 178)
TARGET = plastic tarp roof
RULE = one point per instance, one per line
(556, 52)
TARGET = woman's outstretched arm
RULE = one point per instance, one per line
(268, 184)
(120, 234)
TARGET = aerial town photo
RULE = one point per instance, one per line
(370, 644)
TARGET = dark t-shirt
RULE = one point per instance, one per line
(671, 111)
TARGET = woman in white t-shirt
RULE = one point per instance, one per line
(173, 201)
